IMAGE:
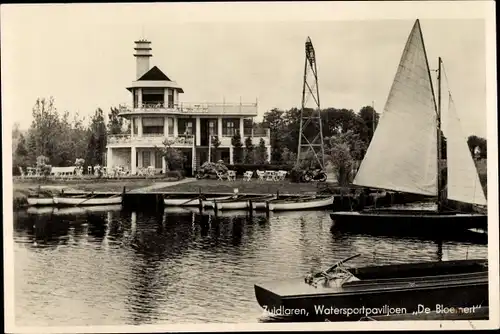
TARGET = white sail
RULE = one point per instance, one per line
(402, 155)
(463, 180)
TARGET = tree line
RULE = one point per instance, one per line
(62, 140)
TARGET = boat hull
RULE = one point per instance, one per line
(39, 201)
(407, 221)
(189, 202)
(460, 284)
(300, 204)
(77, 201)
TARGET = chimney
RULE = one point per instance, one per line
(142, 55)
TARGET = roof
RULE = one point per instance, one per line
(154, 74)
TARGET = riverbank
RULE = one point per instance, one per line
(207, 186)
(23, 188)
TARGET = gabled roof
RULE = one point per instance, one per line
(154, 74)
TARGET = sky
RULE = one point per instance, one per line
(82, 54)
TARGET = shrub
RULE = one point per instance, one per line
(212, 167)
(295, 174)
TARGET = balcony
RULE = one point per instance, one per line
(233, 109)
(149, 140)
(255, 134)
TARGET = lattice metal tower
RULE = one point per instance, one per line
(311, 129)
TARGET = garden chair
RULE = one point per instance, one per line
(247, 176)
(282, 175)
(220, 175)
(270, 175)
(231, 175)
(261, 175)
(151, 171)
(30, 171)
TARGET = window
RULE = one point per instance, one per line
(153, 96)
(158, 159)
(228, 129)
(153, 126)
(146, 159)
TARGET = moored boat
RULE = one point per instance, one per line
(241, 202)
(300, 203)
(87, 199)
(39, 201)
(341, 293)
(191, 200)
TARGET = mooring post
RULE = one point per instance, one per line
(277, 194)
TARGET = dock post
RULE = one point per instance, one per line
(277, 194)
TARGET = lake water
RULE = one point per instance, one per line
(112, 267)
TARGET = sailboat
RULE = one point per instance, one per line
(405, 156)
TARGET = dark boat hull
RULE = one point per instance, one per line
(379, 296)
(408, 221)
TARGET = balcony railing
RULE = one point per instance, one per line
(156, 139)
(198, 108)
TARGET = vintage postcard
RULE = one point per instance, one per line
(249, 166)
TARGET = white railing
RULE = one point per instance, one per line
(184, 107)
(126, 139)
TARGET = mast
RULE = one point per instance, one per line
(438, 129)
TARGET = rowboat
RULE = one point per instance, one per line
(39, 201)
(239, 202)
(88, 199)
(300, 203)
(341, 293)
(73, 210)
(191, 200)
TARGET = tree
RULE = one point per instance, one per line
(345, 150)
(260, 154)
(174, 158)
(20, 156)
(44, 132)
(275, 121)
(97, 138)
(288, 157)
(370, 119)
(215, 146)
(249, 151)
(475, 141)
(237, 148)
(115, 124)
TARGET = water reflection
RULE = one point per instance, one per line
(119, 267)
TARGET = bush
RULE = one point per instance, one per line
(242, 168)
(295, 174)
